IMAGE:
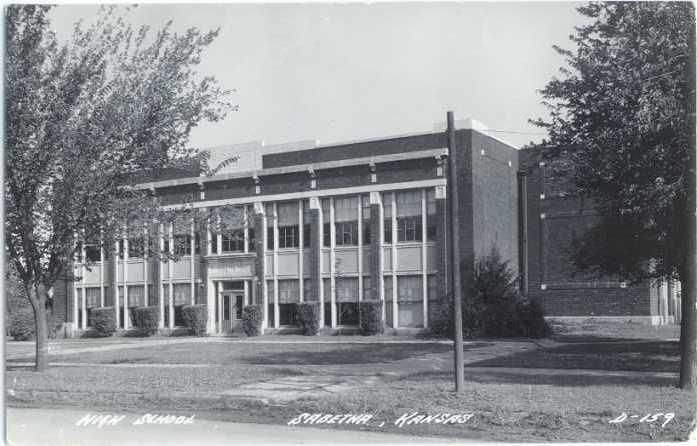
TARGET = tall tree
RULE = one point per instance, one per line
(82, 119)
(622, 119)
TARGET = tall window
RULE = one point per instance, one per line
(252, 240)
(408, 216)
(346, 221)
(365, 205)
(288, 221)
(135, 247)
(307, 231)
(326, 230)
(387, 216)
(270, 216)
(431, 224)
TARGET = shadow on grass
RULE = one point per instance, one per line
(570, 379)
(353, 354)
(642, 356)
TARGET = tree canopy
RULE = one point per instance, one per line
(83, 119)
(619, 120)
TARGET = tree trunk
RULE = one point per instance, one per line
(688, 272)
(38, 302)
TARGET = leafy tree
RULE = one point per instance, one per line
(622, 124)
(83, 120)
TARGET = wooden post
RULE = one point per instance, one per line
(455, 260)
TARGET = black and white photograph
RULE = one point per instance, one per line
(349, 223)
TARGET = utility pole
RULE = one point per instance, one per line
(454, 210)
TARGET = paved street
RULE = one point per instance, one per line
(57, 427)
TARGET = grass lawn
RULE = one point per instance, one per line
(654, 356)
(525, 410)
(259, 354)
(594, 330)
(410, 378)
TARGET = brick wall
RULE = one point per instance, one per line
(356, 150)
(555, 215)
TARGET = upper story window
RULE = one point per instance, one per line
(288, 224)
(346, 221)
(431, 224)
(182, 245)
(409, 225)
(326, 230)
(365, 211)
(233, 241)
(135, 247)
(93, 253)
(387, 217)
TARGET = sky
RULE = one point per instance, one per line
(343, 72)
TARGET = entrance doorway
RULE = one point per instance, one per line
(230, 304)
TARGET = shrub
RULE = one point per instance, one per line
(495, 308)
(195, 318)
(251, 320)
(22, 325)
(532, 319)
(441, 323)
(370, 317)
(147, 319)
(104, 321)
(308, 317)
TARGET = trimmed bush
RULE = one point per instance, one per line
(146, 319)
(532, 319)
(441, 322)
(308, 317)
(195, 318)
(104, 321)
(22, 326)
(370, 317)
(251, 320)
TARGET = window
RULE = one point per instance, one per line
(307, 235)
(182, 245)
(347, 233)
(214, 245)
(288, 237)
(234, 241)
(387, 217)
(307, 224)
(409, 229)
(346, 289)
(289, 291)
(182, 293)
(345, 221)
(387, 227)
(326, 230)
(135, 247)
(431, 224)
(409, 288)
(93, 253)
(288, 221)
(365, 211)
(327, 235)
(252, 240)
(269, 238)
